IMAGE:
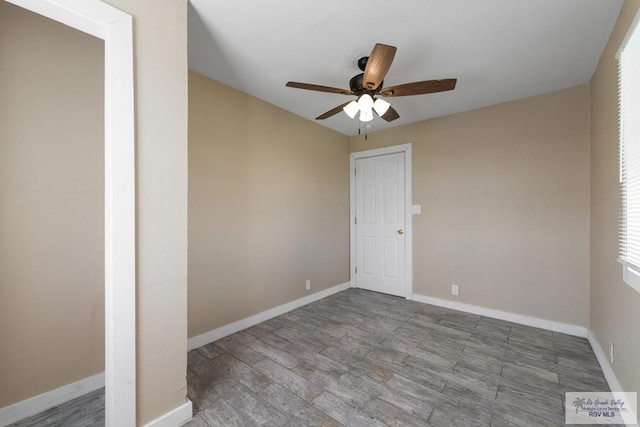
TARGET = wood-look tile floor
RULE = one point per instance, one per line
(85, 411)
(361, 358)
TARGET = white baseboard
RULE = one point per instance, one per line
(34, 405)
(176, 417)
(232, 328)
(536, 322)
(607, 369)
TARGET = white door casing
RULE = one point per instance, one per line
(116, 29)
(381, 257)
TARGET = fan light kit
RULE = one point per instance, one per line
(351, 109)
(364, 105)
(367, 86)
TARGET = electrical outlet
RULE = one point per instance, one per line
(611, 351)
(455, 290)
(308, 285)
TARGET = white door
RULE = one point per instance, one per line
(379, 223)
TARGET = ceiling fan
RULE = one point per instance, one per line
(367, 86)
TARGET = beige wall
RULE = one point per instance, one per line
(268, 206)
(505, 205)
(160, 58)
(615, 307)
(51, 205)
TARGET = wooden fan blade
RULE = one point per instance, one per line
(378, 65)
(319, 88)
(420, 88)
(390, 115)
(332, 112)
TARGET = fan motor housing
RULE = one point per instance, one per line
(362, 63)
(355, 84)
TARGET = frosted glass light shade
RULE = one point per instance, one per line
(366, 115)
(351, 109)
(365, 102)
(381, 106)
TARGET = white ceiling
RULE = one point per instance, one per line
(499, 50)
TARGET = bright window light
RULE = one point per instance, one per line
(629, 135)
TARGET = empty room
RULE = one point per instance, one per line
(331, 213)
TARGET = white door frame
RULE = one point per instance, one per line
(115, 28)
(408, 245)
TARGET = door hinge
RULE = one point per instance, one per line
(356, 220)
(356, 269)
(355, 171)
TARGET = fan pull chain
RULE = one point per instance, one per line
(360, 131)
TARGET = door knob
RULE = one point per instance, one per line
(400, 231)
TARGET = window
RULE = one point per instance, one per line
(629, 138)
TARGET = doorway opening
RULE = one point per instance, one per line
(115, 28)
